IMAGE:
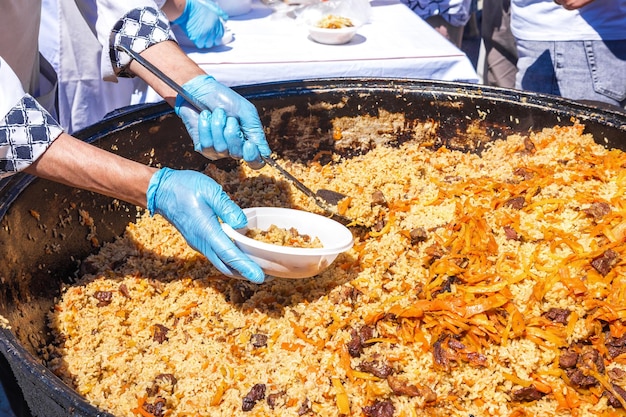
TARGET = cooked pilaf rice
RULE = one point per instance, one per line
(284, 237)
(490, 285)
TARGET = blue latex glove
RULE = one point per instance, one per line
(192, 202)
(202, 22)
(230, 127)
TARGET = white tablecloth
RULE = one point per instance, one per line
(269, 45)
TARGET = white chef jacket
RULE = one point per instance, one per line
(26, 128)
(544, 20)
(75, 52)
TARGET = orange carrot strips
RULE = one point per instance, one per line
(341, 397)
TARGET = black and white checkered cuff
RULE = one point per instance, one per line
(25, 134)
(138, 30)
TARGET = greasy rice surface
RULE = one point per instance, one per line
(482, 285)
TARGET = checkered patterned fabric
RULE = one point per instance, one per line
(455, 12)
(137, 30)
(25, 133)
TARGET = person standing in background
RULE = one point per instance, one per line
(448, 17)
(572, 48)
(498, 47)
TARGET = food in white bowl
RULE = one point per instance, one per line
(333, 30)
(284, 237)
(334, 22)
(289, 261)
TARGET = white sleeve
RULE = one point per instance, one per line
(26, 128)
(11, 90)
(106, 15)
(103, 14)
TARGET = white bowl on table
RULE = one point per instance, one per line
(328, 36)
(332, 29)
(286, 261)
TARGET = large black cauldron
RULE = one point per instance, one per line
(42, 239)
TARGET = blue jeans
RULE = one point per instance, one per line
(578, 70)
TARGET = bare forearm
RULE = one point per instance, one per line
(75, 163)
(173, 62)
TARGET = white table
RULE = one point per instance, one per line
(269, 46)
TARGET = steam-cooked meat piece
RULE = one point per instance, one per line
(365, 333)
(568, 359)
(378, 198)
(617, 375)
(598, 210)
(123, 289)
(259, 340)
(529, 146)
(358, 340)
(440, 354)
(160, 333)
(429, 395)
(590, 358)
(446, 285)
(434, 252)
(272, 399)
(401, 387)
(104, 298)
(447, 349)
(510, 233)
(524, 173)
(516, 203)
(616, 346)
(452, 178)
(379, 409)
(444, 350)
(343, 294)
(526, 394)
(379, 225)
(157, 409)
(305, 407)
(157, 285)
(256, 393)
(557, 315)
(605, 262)
(612, 400)
(376, 368)
(476, 359)
(354, 345)
(166, 379)
(579, 379)
(455, 344)
(418, 235)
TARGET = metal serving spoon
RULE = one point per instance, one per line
(324, 199)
